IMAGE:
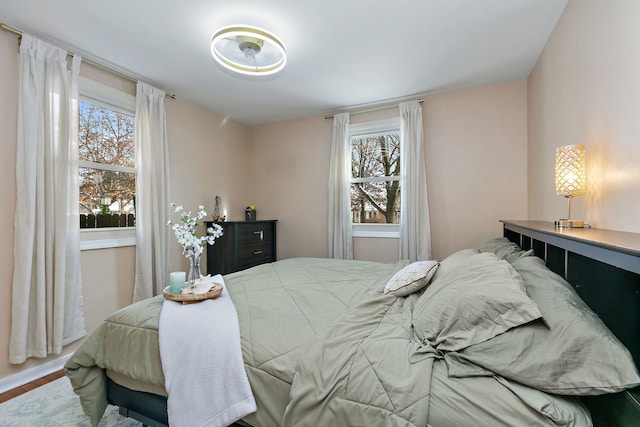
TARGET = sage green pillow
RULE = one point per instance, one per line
(453, 261)
(481, 298)
(504, 249)
(562, 410)
(571, 353)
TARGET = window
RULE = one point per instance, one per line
(107, 168)
(375, 178)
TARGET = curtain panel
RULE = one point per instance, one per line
(340, 234)
(46, 309)
(415, 230)
(152, 193)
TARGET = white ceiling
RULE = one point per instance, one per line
(341, 53)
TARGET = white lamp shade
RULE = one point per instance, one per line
(570, 170)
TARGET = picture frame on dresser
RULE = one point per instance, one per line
(243, 244)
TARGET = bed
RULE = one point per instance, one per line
(494, 338)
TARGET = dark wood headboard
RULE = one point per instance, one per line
(603, 266)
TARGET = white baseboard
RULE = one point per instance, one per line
(32, 374)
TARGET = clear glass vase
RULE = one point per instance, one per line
(194, 270)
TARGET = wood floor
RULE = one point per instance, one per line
(30, 386)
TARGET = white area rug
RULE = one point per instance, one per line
(53, 405)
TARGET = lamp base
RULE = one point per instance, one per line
(569, 223)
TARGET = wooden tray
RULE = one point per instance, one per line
(215, 292)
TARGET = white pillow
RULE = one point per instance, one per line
(412, 278)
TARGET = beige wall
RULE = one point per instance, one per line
(585, 89)
(290, 175)
(476, 148)
(204, 149)
(475, 143)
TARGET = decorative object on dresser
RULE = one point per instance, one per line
(217, 216)
(250, 213)
(570, 179)
(244, 244)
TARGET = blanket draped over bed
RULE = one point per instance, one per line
(204, 372)
(320, 343)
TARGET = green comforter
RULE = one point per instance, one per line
(322, 346)
(361, 372)
(282, 309)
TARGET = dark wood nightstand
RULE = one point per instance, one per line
(244, 244)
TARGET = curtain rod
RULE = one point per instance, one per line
(369, 110)
(87, 61)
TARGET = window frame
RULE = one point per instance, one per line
(368, 230)
(116, 100)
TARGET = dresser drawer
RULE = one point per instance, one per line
(254, 232)
(254, 254)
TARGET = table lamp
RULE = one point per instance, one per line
(570, 179)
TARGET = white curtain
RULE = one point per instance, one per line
(46, 309)
(415, 231)
(340, 235)
(152, 193)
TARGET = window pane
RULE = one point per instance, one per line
(375, 202)
(98, 186)
(375, 155)
(106, 136)
(105, 192)
(107, 198)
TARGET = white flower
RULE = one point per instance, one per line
(185, 231)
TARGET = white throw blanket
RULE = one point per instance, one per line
(202, 363)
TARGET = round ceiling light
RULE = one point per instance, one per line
(248, 50)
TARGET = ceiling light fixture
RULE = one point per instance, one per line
(248, 50)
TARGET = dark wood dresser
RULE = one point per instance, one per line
(244, 244)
